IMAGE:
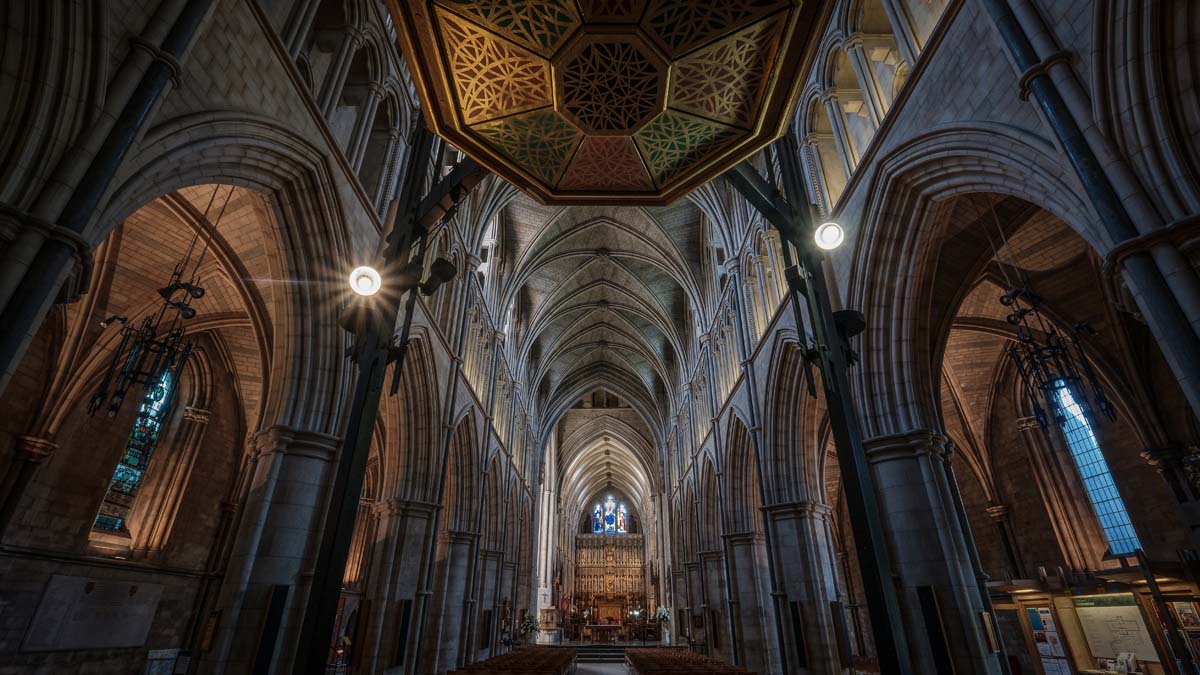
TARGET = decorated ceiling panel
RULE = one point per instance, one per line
(589, 101)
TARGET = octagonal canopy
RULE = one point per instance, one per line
(587, 101)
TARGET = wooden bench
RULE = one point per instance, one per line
(668, 661)
(525, 661)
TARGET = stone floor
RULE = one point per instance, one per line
(600, 669)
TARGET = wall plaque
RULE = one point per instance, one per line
(85, 613)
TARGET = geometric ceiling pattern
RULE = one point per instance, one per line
(603, 101)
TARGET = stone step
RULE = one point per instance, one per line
(599, 653)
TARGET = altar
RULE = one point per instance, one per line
(605, 632)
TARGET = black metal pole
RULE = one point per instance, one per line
(376, 323)
(40, 284)
(792, 218)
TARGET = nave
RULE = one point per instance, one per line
(834, 337)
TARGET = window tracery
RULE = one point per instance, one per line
(611, 518)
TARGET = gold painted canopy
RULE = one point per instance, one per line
(586, 101)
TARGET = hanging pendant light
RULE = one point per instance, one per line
(152, 352)
(1048, 360)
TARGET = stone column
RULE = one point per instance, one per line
(863, 70)
(298, 25)
(546, 528)
(716, 601)
(841, 135)
(695, 599)
(356, 149)
(448, 616)
(383, 191)
(998, 513)
(906, 38)
(929, 550)
(748, 592)
(482, 637)
(1180, 469)
(335, 79)
(28, 453)
(276, 536)
(803, 548)
(153, 516)
(393, 591)
(510, 572)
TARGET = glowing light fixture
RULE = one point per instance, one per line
(365, 280)
(829, 236)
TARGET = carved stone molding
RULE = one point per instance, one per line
(997, 512)
(33, 448)
(196, 415)
(911, 444)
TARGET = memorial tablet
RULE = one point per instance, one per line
(85, 613)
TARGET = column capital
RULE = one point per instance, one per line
(1164, 458)
(459, 536)
(34, 449)
(997, 512)
(854, 42)
(801, 509)
(908, 445)
(403, 507)
(160, 55)
(290, 441)
(196, 415)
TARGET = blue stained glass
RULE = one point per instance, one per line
(127, 476)
(1097, 479)
(611, 518)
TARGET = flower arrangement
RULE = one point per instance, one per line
(663, 615)
(528, 627)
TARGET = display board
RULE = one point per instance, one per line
(1047, 641)
(1113, 624)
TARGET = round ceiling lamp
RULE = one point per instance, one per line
(365, 281)
(602, 101)
(829, 236)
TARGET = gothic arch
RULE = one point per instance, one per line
(893, 261)
(410, 465)
(308, 237)
(64, 49)
(791, 450)
(743, 498)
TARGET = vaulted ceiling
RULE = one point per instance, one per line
(604, 298)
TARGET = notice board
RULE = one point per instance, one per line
(1112, 624)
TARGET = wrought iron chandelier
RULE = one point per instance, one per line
(153, 351)
(1048, 360)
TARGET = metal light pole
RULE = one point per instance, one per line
(373, 322)
(791, 215)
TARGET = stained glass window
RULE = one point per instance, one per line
(131, 468)
(611, 518)
(1097, 479)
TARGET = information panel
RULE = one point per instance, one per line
(84, 613)
(1113, 624)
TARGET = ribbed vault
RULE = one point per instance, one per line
(603, 298)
